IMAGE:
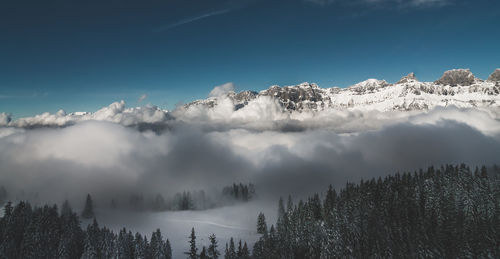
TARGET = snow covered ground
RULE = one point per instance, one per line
(237, 221)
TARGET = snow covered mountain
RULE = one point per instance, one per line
(458, 87)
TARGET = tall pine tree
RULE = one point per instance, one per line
(88, 210)
(193, 250)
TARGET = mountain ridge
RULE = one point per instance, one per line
(457, 87)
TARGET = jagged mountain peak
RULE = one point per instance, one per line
(304, 85)
(410, 78)
(291, 95)
(495, 76)
(307, 85)
(457, 87)
(455, 77)
(369, 85)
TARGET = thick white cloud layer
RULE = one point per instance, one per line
(221, 90)
(115, 112)
(200, 148)
(4, 119)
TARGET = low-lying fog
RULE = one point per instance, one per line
(237, 221)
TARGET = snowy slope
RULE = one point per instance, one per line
(457, 87)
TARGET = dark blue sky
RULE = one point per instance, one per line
(82, 55)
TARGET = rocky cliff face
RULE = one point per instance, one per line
(410, 78)
(495, 76)
(296, 97)
(456, 87)
(463, 77)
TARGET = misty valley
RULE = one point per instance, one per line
(450, 211)
(189, 200)
(289, 172)
(249, 129)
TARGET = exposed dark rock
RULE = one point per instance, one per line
(457, 77)
(290, 96)
(408, 78)
(369, 85)
(245, 96)
(495, 76)
(310, 97)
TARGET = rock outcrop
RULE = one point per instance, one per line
(456, 77)
(495, 76)
(456, 87)
(410, 78)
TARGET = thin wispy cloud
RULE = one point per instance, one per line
(429, 2)
(392, 3)
(230, 6)
(142, 98)
(24, 95)
(194, 19)
(321, 2)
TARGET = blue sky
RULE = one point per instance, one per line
(82, 55)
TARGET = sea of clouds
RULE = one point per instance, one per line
(117, 151)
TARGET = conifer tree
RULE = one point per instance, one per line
(445, 212)
(239, 252)
(125, 244)
(3, 195)
(19, 218)
(213, 253)
(66, 208)
(226, 252)
(43, 233)
(281, 209)
(261, 224)
(159, 203)
(93, 241)
(203, 253)
(88, 210)
(231, 251)
(109, 243)
(289, 204)
(140, 246)
(158, 248)
(71, 239)
(245, 253)
(193, 250)
(168, 250)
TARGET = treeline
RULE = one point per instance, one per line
(3, 195)
(448, 212)
(189, 200)
(239, 192)
(44, 232)
(212, 251)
